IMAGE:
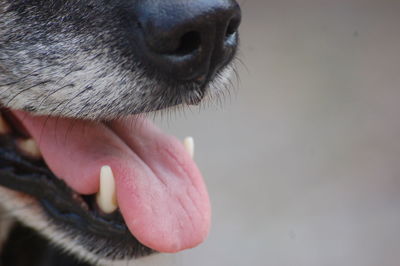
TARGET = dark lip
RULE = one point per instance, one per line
(62, 205)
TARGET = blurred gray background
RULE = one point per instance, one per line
(303, 160)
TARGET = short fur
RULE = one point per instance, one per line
(75, 58)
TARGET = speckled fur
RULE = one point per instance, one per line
(76, 58)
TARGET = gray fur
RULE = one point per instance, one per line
(75, 58)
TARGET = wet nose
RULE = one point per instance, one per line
(188, 39)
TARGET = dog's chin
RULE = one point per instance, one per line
(69, 240)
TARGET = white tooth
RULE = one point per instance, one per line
(107, 196)
(4, 127)
(29, 148)
(188, 142)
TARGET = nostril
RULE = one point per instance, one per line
(189, 43)
(232, 27)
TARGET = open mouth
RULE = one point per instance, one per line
(123, 180)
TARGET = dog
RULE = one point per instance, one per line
(85, 178)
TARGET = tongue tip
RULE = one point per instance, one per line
(172, 239)
(177, 245)
(173, 233)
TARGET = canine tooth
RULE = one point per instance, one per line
(29, 148)
(107, 196)
(188, 142)
(4, 127)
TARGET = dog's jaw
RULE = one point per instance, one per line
(26, 210)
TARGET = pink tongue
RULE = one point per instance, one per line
(160, 191)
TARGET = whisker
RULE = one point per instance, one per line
(26, 89)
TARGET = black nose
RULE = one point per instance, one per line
(188, 39)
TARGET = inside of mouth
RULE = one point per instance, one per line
(69, 211)
(161, 195)
(13, 132)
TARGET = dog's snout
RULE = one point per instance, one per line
(191, 39)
